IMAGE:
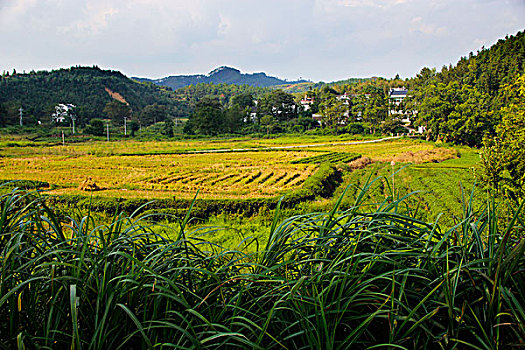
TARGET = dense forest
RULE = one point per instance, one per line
(191, 94)
(462, 103)
(98, 93)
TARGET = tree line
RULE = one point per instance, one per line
(462, 103)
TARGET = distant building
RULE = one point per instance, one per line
(306, 103)
(397, 95)
(344, 97)
(318, 118)
(62, 112)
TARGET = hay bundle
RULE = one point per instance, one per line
(359, 163)
(89, 185)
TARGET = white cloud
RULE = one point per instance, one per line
(421, 25)
(10, 11)
(95, 19)
(319, 39)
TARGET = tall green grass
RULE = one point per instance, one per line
(351, 279)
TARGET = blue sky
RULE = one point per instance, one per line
(313, 39)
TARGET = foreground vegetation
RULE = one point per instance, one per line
(344, 279)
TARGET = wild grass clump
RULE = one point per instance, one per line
(343, 279)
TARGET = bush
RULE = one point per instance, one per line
(95, 127)
(393, 126)
(354, 129)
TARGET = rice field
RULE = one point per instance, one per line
(131, 169)
(436, 191)
(227, 175)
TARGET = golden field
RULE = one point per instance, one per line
(132, 169)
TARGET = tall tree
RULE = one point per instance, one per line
(503, 157)
(375, 106)
(242, 100)
(117, 111)
(3, 115)
(452, 112)
(168, 128)
(279, 104)
(152, 114)
(334, 112)
(234, 118)
(207, 119)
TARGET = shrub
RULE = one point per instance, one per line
(95, 127)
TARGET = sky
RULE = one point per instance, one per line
(318, 40)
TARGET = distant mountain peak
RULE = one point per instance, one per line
(221, 75)
(223, 69)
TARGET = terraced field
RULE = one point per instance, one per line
(131, 169)
(228, 175)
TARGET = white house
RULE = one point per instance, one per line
(62, 112)
(395, 97)
(306, 102)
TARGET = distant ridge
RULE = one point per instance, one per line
(226, 75)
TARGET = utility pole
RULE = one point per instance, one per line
(125, 126)
(21, 110)
(73, 118)
(107, 131)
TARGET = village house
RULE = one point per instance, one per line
(306, 102)
(396, 96)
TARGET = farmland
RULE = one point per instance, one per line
(246, 168)
(155, 176)
(168, 169)
(344, 232)
(343, 279)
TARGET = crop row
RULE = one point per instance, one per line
(435, 189)
(333, 157)
(257, 174)
(266, 181)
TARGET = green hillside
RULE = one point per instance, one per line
(462, 103)
(89, 88)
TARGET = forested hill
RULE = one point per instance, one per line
(220, 75)
(491, 68)
(461, 103)
(89, 88)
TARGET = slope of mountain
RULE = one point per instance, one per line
(89, 88)
(219, 75)
(463, 103)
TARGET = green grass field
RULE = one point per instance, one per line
(434, 188)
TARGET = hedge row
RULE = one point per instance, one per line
(24, 184)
